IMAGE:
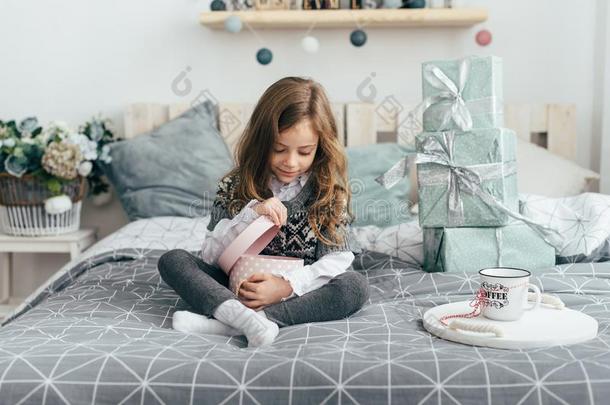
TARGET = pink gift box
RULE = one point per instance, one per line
(241, 258)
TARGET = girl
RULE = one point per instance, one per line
(291, 167)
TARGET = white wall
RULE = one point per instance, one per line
(69, 59)
(601, 113)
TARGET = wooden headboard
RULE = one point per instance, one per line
(551, 126)
(542, 170)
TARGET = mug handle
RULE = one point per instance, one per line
(537, 294)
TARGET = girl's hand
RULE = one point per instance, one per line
(263, 289)
(274, 209)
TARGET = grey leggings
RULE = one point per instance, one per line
(204, 288)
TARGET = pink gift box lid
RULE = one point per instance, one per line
(251, 241)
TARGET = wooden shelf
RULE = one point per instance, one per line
(286, 19)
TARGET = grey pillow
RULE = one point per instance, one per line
(372, 204)
(173, 170)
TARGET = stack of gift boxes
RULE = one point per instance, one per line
(467, 173)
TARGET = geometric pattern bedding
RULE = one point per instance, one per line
(100, 334)
(583, 221)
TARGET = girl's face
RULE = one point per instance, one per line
(293, 151)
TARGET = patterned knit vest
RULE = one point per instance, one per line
(296, 238)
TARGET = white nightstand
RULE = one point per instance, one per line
(73, 243)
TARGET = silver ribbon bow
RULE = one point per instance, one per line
(458, 178)
(450, 93)
(468, 179)
(454, 107)
(500, 245)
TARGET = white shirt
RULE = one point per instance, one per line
(312, 276)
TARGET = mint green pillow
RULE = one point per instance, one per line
(372, 204)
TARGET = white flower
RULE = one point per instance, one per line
(9, 143)
(58, 205)
(105, 154)
(43, 138)
(88, 148)
(85, 168)
(59, 128)
(40, 140)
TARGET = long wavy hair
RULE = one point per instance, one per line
(282, 105)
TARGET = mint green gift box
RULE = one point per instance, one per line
(472, 249)
(453, 88)
(459, 172)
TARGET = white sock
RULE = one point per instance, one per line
(190, 322)
(258, 329)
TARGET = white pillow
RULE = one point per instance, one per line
(544, 173)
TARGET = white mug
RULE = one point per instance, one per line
(504, 291)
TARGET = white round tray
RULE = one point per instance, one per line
(542, 327)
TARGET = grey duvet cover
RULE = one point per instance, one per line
(101, 334)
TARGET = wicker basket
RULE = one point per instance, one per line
(22, 211)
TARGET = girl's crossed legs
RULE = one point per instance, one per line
(204, 288)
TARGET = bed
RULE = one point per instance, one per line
(99, 332)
